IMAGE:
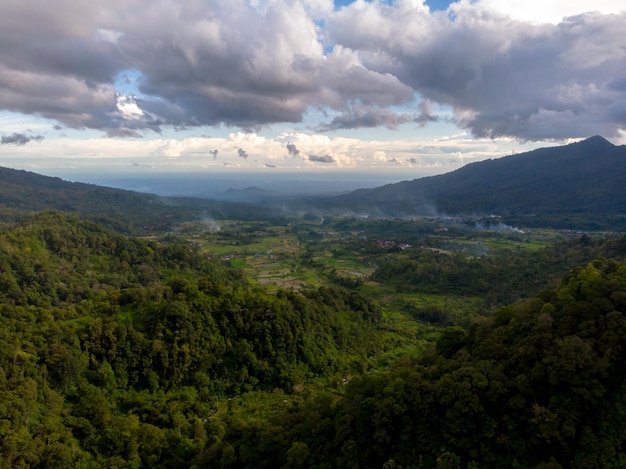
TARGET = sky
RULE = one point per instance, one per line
(402, 88)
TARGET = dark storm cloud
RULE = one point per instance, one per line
(366, 116)
(426, 113)
(501, 77)
(291, 148)
(251, 64)
(238, 67)
(231, 64)
(59, 39)
(321, 158)
(20, 139)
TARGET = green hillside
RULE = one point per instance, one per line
(578, 185)
(24, 192)
(119, 352)
(115, 351)
(541, 384)
(122, 352)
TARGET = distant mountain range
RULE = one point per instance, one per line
(23, 192)
(582, 184)
(579, 186)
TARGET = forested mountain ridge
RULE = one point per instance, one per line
(584, 179)
(54, 259)
(23, 192)
(114, 351)
(122, 352)
(576, 186)
(118, 352)
(541, 384)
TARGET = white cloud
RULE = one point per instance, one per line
(129, 108)
(553, 11)
(320, 152)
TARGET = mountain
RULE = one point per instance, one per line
(578, 183)
(24, 192)
(120, 352)
(577, 186)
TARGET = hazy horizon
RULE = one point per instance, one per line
(207, 185)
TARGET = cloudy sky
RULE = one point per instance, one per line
(410, 87)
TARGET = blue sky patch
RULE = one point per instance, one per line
(434, 5)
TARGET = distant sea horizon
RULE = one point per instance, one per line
(215, 185)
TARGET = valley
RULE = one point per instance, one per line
(312, 234)
(243, 343)
(142, 331)
(303, 253)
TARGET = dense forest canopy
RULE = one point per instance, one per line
(85, 311)
(121, 352)
(540, 384)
